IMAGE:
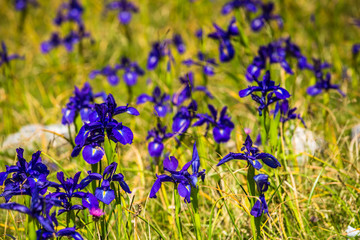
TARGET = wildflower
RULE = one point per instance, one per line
(21, 5)
(158, 135)
(131, 71)
(355, 49)
(286, 113)
(183, 118)
(268, 89)
(207, 64)
(262, 185)
(81, 103)
(69, 12)
(109, 72)
(187, 88)
(323, 84)
(182, 179)
(317, 67)
(5, 58)
(23, 173)
(252, 156)
(267, 15)
(104, 193)
(160, 100)
(125, 8)
(179, 43)
(250, 5)
(222, 127)
(92, 135)
(226, 49)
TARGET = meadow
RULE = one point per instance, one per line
(177, 119)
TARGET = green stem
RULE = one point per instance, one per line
(255, 222)
(195, 205)
(177, 212)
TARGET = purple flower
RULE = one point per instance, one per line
(267, 15)
(286, 113)
(323, 84)
(187, 89)
(125, 8)
(23, 174)
(21, 5)
(250, 5)
(317, 67)
(226, 49)
(276, 52)
(183, 179)
(69, 12)
(356, 49)
(81, 103)
(207, 64)
(222, 127)
(104, 193)
(92, 135)
(5, 58)
(183, 118)
(270, 93)
(158, 135)
(252, 156)
(179, 43)
(109, 72)
(160, 101)
(262, 185)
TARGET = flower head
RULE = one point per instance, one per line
(69, 12)
(252, 156)
(125, 8)
(249, 5)
(286, 113)
(323, 84)
(222, 126)
(5, 58)
(21, 5)
(265, 17)
(207, 64)
(158, 135)
(260, 205)
(183, 179)
(161, 106)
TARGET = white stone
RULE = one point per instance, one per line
(352, 232)
(303, 141)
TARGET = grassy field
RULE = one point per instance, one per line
(317, 198)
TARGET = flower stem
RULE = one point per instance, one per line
(177, 212)
(195, 205)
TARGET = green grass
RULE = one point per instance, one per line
(317, 200)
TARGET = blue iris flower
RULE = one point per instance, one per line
(183, 179)
(81, 103)
(161, 106)
(265, 17)
(252, 156)
(226, 49)
(249, 5)
(5, 58)
(269, 92)
(260, 205)
(207, 64)
(104, 193)
(69, 12)
(187, 88)
(92, 134)
(183, 118)
(323, 84)
(158, 135)
(21, 5)
(125, 8)
(286, 113)
(131, 72)
(222, 126)
(22, 174)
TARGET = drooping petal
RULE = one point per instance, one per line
(105, 195)
(232, 156)
(123, 134)
(93, 154)
(143, 98)
(155, 148)
(269, 160)
(170, 164)
(184, 191)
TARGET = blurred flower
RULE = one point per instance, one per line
(250, 5)
(262, 185)
(355, 49)
(267, 15)
(323, 84)
(69, 12)
(125, 8)
(21, 5)
(252, 156)
(183, 118)
(317, 67)
(222, 127)
(286, 113)
(81, 103)
(268, 89)
(226, 49)
(109, 72)
(160, 100)
(179, 43)
(183, 179)
(92, 134)
(131, 71)
(187, 88)
(207, 64)
(158, 135)
(5, 58)
(276, 52)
